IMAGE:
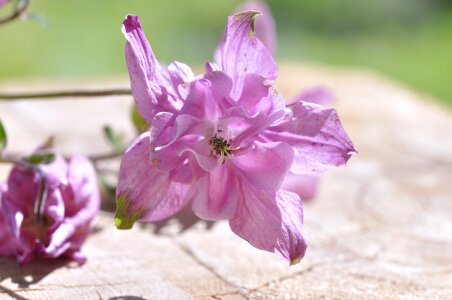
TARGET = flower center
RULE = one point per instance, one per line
(221, 147)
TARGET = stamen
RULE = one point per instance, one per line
(221, 146)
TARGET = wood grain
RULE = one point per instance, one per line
(380, 228)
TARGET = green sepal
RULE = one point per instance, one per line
(123, 220)
(3, 138)
(115, 140)
(40, 158)
(140, 124)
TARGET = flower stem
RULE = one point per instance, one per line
(65, 94)
(17, 13)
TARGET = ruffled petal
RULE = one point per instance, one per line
(265, 166)
(216, 195)
(241, 53)
(200, 102)
(151, 84)
(317, 136)
(187, 134)
(271, 221)
(142, 190)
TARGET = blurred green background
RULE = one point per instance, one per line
(409, 40)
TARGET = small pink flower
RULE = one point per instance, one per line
(228, 144)
(3, 2)
(71, 202)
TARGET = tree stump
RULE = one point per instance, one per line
(380, 228)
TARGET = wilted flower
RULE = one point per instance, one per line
(71, 201)
(223, 141)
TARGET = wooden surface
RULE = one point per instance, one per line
(381, 228)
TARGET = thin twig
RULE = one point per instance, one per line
(17, 13)
(66, 94)
(106, 156)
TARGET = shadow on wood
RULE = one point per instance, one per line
(31, 273)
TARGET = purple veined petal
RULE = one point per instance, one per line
(265, 25)
(319, 95)
(304, 186)
(151, 84)
(265, 166)
(317, 136)
(142, 190)
(216, 195)
(271, 221)
(241, 53)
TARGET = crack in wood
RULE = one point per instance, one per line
(239, 290)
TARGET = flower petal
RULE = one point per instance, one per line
(152, 87)
(241, 53)
(143, 192)
(304, 186)
(200, 102)
(216, 195)
(319, 95)
(317, 136)
(265, 25)
(271, 221)
(82, 202)
(266, 165)
(7, 247)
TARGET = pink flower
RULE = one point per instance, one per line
(71, 202)
(229, 145)
(3, 2)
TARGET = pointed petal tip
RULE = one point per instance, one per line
(131, 22)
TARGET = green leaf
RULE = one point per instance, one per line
(40, 158)
(140, 124)
(3, 139)
(113, 139)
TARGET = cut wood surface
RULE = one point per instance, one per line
(380, 228)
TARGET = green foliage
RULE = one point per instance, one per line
(405, 39)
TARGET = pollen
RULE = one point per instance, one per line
(221, 147)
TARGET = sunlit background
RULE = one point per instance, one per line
(408, 40)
